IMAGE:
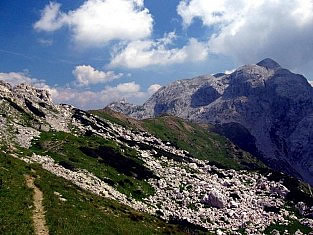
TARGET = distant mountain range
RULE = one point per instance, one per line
(264, 108)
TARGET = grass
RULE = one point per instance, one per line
(292, 227)
(15, 198)
(200, 142)
(111, 118)
(82, 213)
(114, 163)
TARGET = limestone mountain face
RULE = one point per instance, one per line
(264, 108)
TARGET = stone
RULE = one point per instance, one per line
(280, 190)
(193, 166)
(275, 232)
(301, 208)
(234, 204)
(298, 232)
(214, 199)
(219, 232)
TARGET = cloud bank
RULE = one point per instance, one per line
(15, 78)
(252, 30)
(82, 98)
(86, 99)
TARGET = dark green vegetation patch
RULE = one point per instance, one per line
(292, 228)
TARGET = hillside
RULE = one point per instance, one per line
(94, 176)
(200, 141)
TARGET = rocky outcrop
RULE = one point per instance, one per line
(263, 108)
(25, 111)
(123, 106)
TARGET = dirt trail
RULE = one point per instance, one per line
(38, 212)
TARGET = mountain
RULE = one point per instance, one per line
(264, 108)
(64, 170)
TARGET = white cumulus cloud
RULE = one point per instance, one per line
(87, 75)
(253, 30)
(143, 53)
(51, 18)
(98, 21)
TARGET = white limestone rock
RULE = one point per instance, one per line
(214, 199)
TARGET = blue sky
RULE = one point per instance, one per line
(92, 52)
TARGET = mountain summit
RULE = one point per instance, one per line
(269, 64)
(264, 108)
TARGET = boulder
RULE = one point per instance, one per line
(193, 166)
(280, 190)
(214, 199)
(301, 207)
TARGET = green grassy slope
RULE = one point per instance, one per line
(15, 197)
(85, 213)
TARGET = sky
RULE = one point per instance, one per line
(89, 53)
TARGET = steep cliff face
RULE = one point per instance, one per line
(265, 105)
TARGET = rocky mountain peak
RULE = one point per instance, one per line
(269, 64)
(264, 103)
(25, 91)
(26, 110)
